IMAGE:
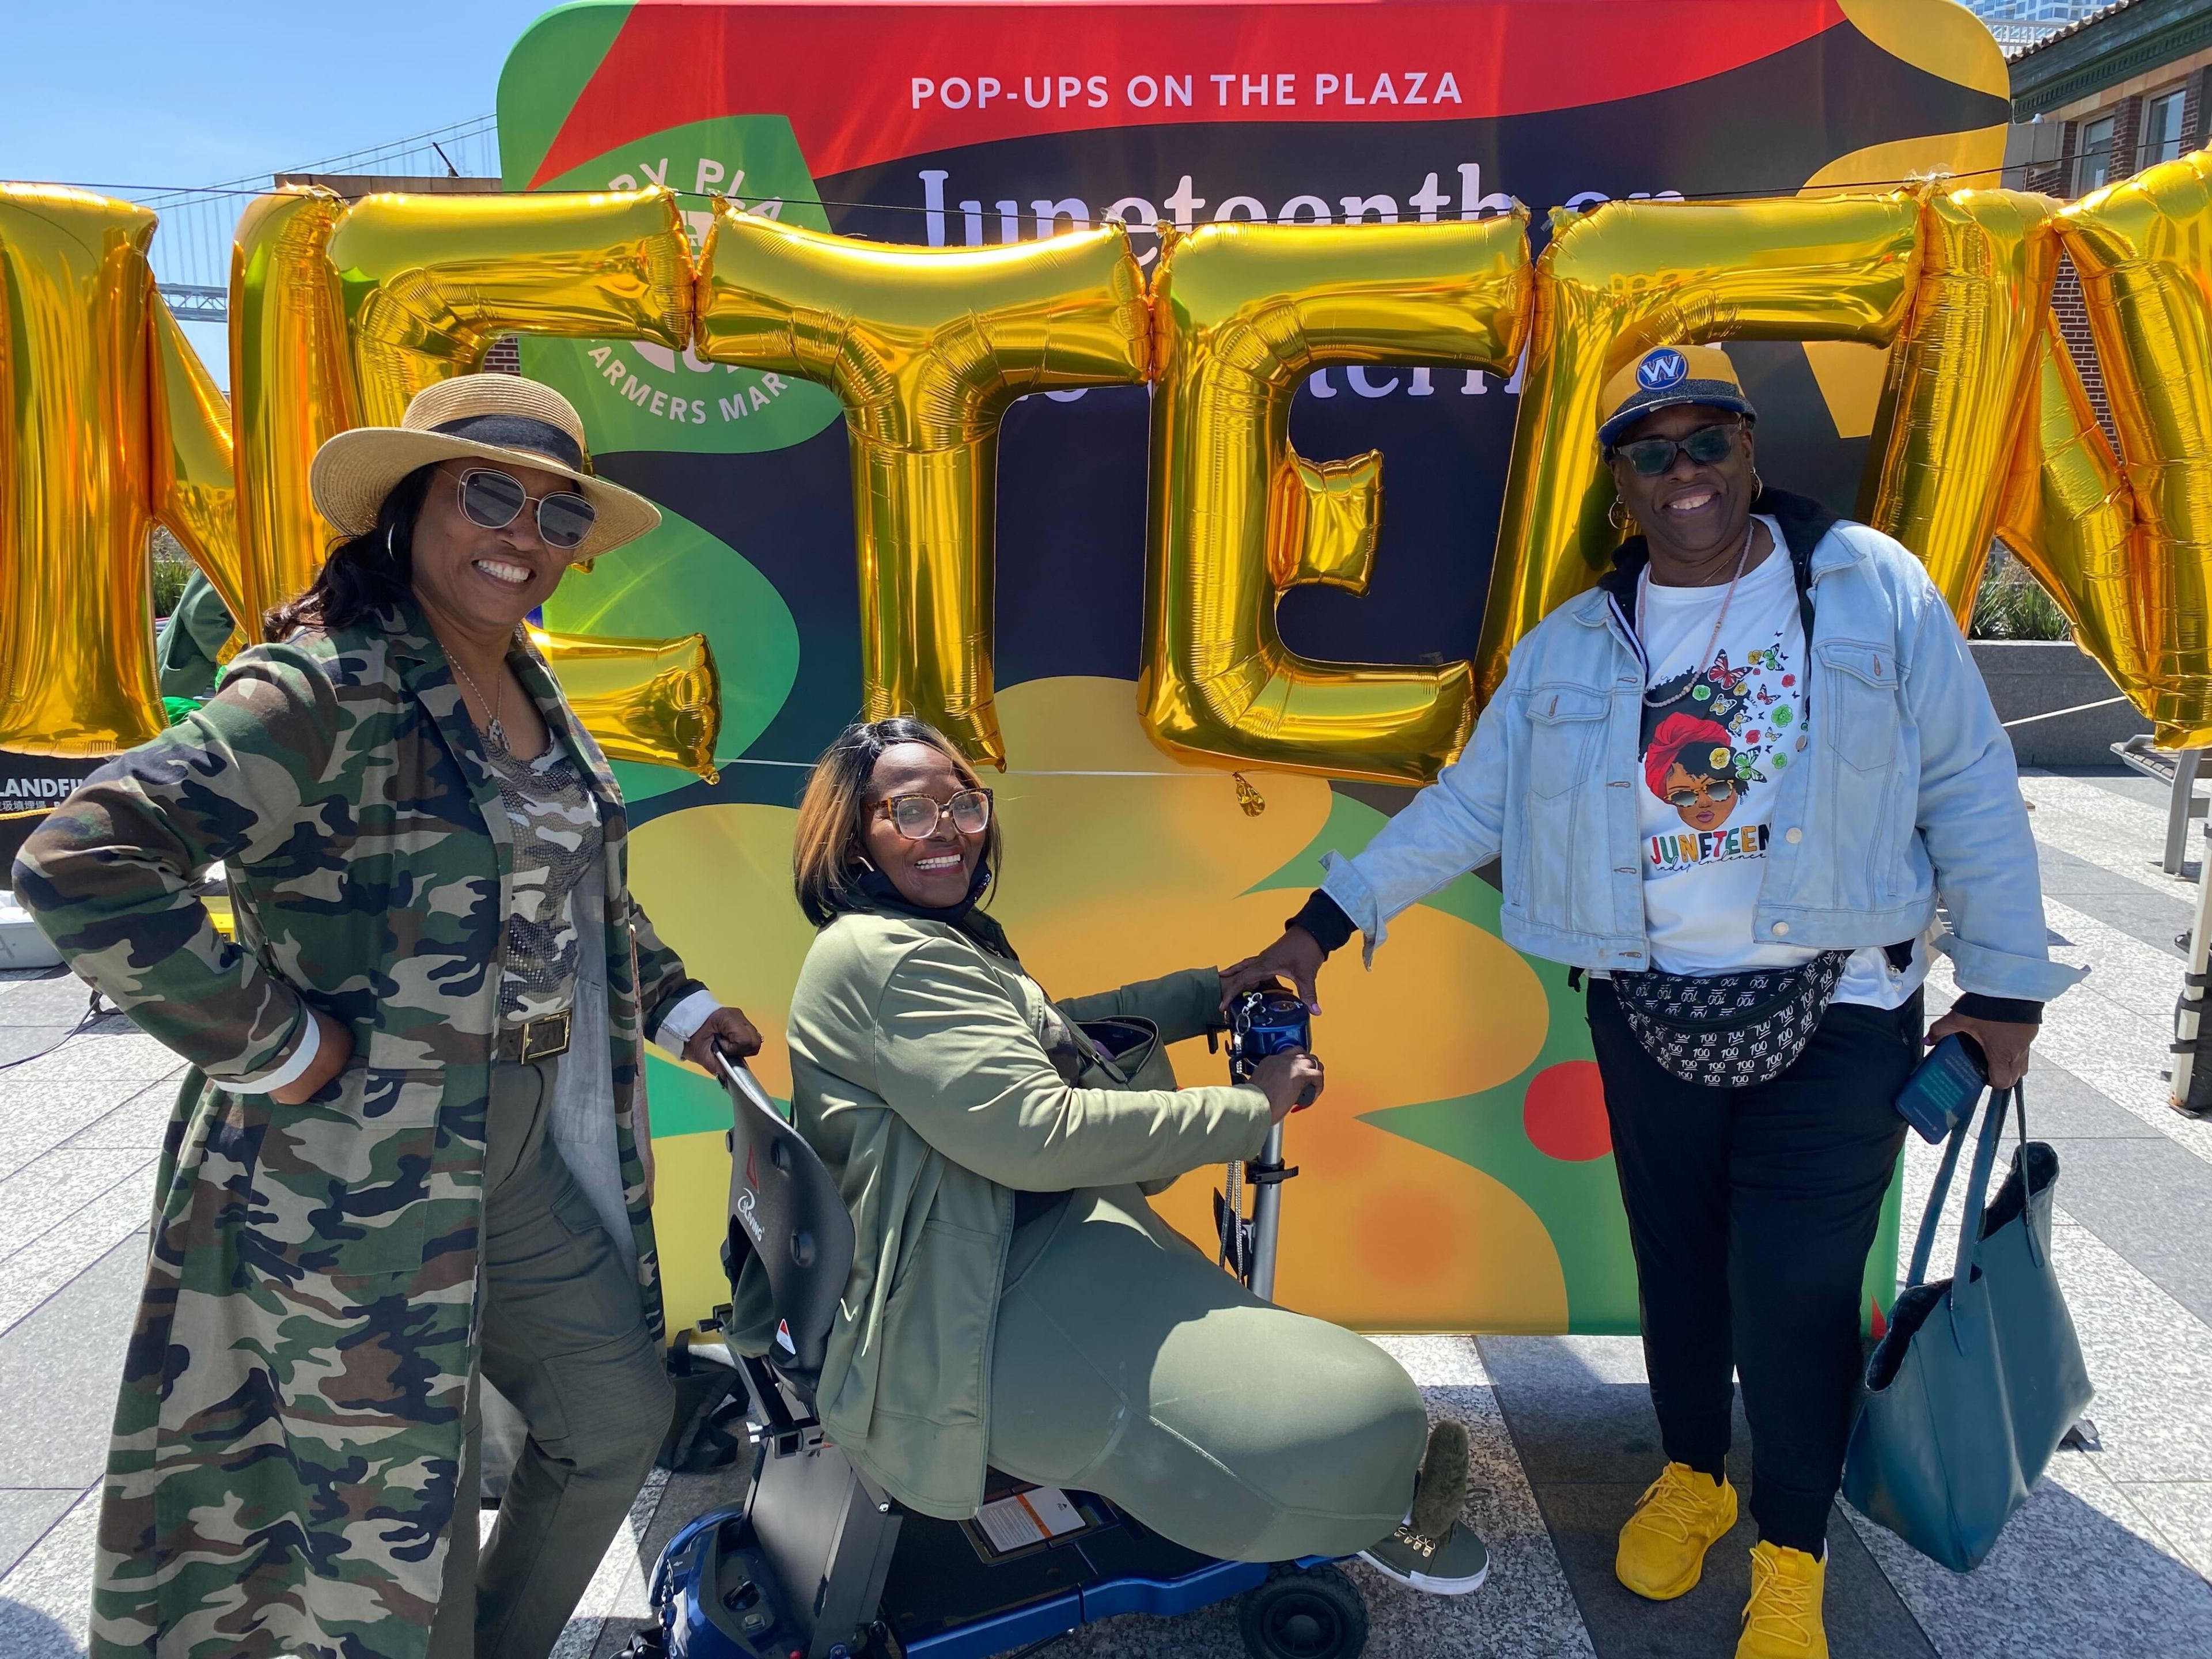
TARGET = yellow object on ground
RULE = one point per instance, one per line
(1783, 1619)
(1680, 1516)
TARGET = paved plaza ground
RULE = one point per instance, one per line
(2111, 1557)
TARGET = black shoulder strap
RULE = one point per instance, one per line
(1804, 524)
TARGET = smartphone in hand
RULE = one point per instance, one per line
(1945, 1088)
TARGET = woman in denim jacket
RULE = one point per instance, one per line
(1750, 763)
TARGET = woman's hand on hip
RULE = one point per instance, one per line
(726, 1029)
(2004, 1043)
(331, 1058)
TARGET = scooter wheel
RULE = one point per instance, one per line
(1314, 1613)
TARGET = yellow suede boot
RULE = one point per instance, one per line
(1680, 1516)
(1783, 1619)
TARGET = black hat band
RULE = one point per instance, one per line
(519, 432)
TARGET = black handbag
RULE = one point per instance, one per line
(1730, 1031)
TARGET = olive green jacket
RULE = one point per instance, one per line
(288, 1437)
(924, 1073)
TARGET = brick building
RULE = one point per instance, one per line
(2126, 87)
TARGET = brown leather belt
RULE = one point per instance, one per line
(534, 1039)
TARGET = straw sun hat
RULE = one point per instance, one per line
(484, 417)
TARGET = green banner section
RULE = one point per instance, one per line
(636, 396)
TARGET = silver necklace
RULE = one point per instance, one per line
(495, 733)
(1712, 643)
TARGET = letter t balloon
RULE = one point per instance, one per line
(925, 348)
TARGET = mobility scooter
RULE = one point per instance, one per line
(821, 1563)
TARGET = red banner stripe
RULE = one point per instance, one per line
(852, 78)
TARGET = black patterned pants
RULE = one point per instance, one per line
(1751, 1212)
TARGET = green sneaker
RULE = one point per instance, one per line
(1455, 1565)
(1434, 1552)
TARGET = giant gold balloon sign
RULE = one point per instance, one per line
(925, 348)
(1242, 314)
(106, 422)
(1631, 276)
(1962, 381)
(92, 447)
(2144, 250)
(654, 701)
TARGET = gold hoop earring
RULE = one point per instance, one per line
(1758, 487)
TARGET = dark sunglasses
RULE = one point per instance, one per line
(494, 499)
(1652, 456)
(916, 816)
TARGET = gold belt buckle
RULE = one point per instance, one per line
(545, 1037)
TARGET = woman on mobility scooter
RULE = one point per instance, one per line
(1014, 1302)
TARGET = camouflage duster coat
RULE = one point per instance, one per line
(288, 1435)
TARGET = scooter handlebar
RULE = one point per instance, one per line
(739, 1077)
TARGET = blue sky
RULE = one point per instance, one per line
(126, 92)
(123, 93)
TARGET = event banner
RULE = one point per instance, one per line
(1458, 1174)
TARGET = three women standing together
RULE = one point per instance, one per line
(411, 1157)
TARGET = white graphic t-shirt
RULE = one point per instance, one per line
(1715, 744)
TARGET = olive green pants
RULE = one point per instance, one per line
(561, 1336)
(1128, 1364)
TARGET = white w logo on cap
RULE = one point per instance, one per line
(1661, 369)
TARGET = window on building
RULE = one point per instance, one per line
(2161, 130)
(2092, 163)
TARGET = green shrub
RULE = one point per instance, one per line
(2013, 604)
(173, 568)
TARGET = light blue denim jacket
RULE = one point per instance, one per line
(1911, 793)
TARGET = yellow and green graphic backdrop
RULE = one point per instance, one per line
(1458, 1174)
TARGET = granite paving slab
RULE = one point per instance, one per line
(42, 1113)
(26, 1513)
(59, 1368)
(2077, 1573)
(2151, 1201)
(139, 1121)
(51, 1188)
(46, 1598)
(45, 1266)
(2181, 1511)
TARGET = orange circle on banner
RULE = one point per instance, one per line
(1564, 1112)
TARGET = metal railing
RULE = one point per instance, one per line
(191, 254)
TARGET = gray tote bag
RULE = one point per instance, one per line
(1979, 1376)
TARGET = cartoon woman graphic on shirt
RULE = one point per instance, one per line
(1690, 764)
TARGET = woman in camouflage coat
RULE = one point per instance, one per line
(324, 1279)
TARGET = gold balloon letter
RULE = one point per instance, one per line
(655, 700)
(2144, 250)
(427, 283)
(1635, 275)
(77, 658)
(925, 347)
(1243, 313)
(2068, 514)
(291, 388)
(194, 488)
(1962, 381)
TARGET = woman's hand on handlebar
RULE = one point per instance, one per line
(1284, 1079)
(329, 1059)
(726, 1029)
(1296, 957)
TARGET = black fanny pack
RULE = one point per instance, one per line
(1730, 1031)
